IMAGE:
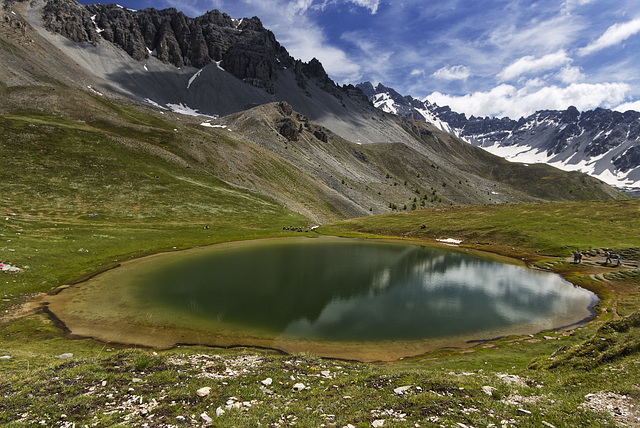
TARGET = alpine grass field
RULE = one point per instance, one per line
(91, 179)
(75, 203)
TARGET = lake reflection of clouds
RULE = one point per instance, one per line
(364, 291)
(467, 293)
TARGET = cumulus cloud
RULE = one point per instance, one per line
(306, 43)
(456, 72)
(570, 74)
(530, 64)
(615, 34)
(507, 100)
(628, 106)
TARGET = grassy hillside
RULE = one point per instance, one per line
(90, 180)
(548, 229)
(591, 373)
(79, 196)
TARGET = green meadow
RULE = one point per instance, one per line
(79, 197)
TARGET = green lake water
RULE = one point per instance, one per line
(341, 290)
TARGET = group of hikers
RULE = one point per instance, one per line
(577, 258)
(608, 260)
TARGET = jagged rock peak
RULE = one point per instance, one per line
(244, 47)
(70, 19)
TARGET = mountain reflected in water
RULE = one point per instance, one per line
(344, 290)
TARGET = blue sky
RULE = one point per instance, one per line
(480, 57)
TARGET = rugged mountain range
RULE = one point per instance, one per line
(249, 114)
(600, 142)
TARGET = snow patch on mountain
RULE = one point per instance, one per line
(602, 143)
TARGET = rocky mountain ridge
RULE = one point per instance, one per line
(600, 142)
(322, 151)
(243, 47)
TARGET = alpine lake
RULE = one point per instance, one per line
(332, 297)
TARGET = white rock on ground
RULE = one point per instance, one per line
(203, 392)
(206, 418)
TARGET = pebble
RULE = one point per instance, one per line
(298, 387)
(266, 390)
(206, 418)
(65, 355)
(488, 390)
(203, 392)
(219, 411)
(268, 381)
(401, 389)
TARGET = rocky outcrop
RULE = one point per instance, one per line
(243, 47)
(68, 18)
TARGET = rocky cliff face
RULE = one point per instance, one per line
(600, 142)
(243, 47)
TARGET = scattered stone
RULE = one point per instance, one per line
(512, 380)
(5, 357)
(65, 355)
(136, 380)
(620, 407)
(488, 390)
(547, 424)
(206, 418)
(9, 268)
(266, 390)
(219, 411)
(268, 381)
(526, 412)
(378, 423)
(298, 387)
(203, 392)
(402, 389)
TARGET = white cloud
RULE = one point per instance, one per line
(628, 106)
(307, 43)
(506, 100)
(547, 35)
(570, 74)
(530, 64)
(456, 72)
(304, 39)
(372, 5)
(615, 34)
(569, 5)
(370, 56)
